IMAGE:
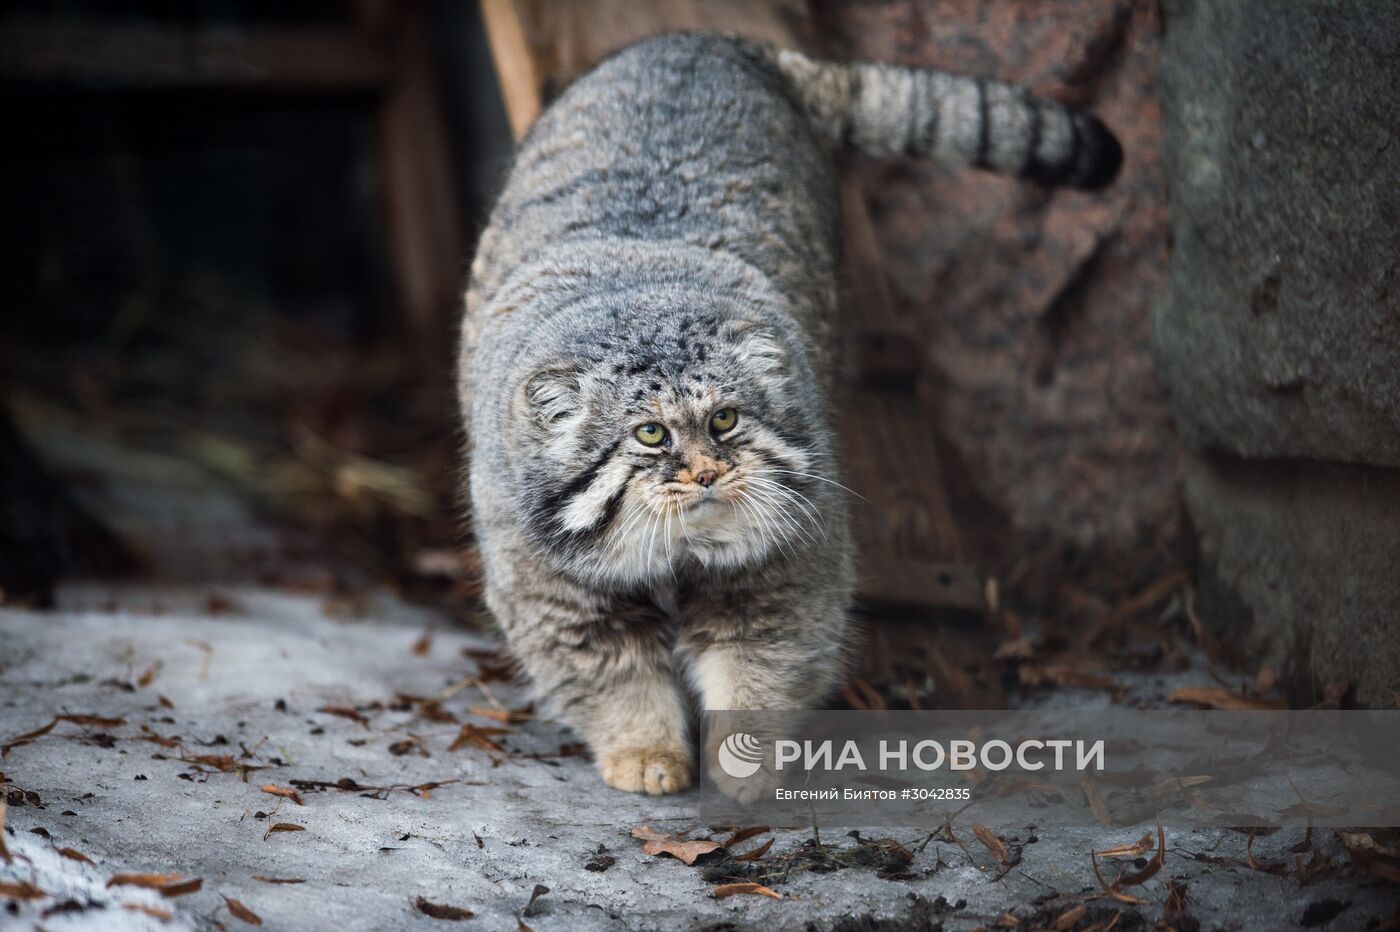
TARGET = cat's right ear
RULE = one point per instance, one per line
(551, 396)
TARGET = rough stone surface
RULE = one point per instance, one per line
(1280, 332)
(1033, 306)
(1279, 335)
(1302, 557)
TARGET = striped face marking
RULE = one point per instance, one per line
(661, 473)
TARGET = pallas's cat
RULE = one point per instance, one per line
(646, 374)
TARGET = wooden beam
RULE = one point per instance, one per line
(418, 185)
(121, 57)
(515, 65)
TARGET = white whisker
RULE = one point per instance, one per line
(799, 500)
(758, 478)
(780, 514)
(670, 557)
(807, 475)
(770, 526)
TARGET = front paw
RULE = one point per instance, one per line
(655, 770)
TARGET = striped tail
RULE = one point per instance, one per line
(891, 109)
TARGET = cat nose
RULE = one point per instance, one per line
(706, 477)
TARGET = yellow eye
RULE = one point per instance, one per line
(724, 419)
(653, 434)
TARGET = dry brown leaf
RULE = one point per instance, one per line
(684, 851)
(164, 702)
(161, 740)
(1365, 843)
(224, 763)
(1109, 891)
(504, 716)
(1097, 804)
(1174, 909)
(424, 645)
(1070, 918)
(22, 890)
(149, 675)
(168, 885)
(91, 721)
(479, 737)
(149, 881)
(756, 853)
(1376, 859)
(433, 711)
(219, 604)
(1155, 592)
(345, 712)
(283, 827)
(1277, 867)
(994, 844)
(895, 848)
(1141, 846)
(442, 910)
(73, 855)
(1158, 861)
(95, 721)
(180, 889)
(731, 889)
(154, 912)
(262, 879)
(744, 834)
(1142, 876)
(242, 912)
(286, 792)
(1217, 697)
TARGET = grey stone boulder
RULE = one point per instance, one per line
(1280, 332)
(1301, 569)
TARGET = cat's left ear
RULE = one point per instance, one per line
(757, 348)
(552, 395)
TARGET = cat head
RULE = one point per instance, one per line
(673, 439)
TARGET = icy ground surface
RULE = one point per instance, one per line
(244, 673)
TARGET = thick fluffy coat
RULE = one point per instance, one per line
(646, 375)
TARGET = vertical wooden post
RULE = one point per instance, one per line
(515, 66)
(420, 202)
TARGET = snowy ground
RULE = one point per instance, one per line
(239, 675)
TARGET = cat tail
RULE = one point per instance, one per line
(892, 110)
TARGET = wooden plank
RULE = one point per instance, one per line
(417, 183)
(122, 57)
(515, 65)
(911, 551)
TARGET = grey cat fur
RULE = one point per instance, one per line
(665, 247)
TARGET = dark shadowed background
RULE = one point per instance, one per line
(235, 235)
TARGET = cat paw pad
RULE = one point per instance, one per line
(646, 770)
